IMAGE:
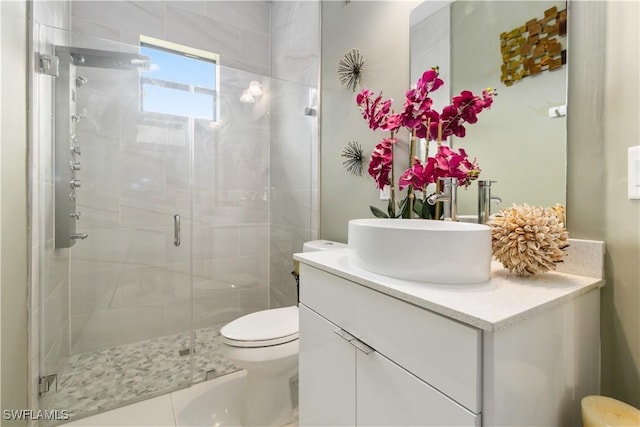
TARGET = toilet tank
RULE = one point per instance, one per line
(321, 245)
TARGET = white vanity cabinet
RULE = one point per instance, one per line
(375, 360)
(359, 386)
(369, 355)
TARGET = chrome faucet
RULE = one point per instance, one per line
(449, 197)
(484, 200)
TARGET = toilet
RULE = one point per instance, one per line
(265, 344)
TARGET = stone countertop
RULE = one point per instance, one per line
(492, 305)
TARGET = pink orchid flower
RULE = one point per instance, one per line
(464, 108)
(417, 110)
(419, 175)
(376, 111)
(380, 162)
(419, 116)
(450, 163)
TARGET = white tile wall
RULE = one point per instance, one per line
(247, 14)
(294, 140)
(238, 31)
(101, 275)
(203, 32)
(98, 29)
(295, 41)
(109, 328)
(144, 17)
(56, 357)
(218, 308)
(53, 13)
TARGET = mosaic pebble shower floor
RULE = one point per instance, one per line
(105, 379)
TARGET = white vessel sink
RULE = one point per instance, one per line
(424, 250)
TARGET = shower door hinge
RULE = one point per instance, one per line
(47, 384)
(48, 64)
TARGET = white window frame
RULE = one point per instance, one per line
(190, 52)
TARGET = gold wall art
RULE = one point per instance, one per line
(534, 47)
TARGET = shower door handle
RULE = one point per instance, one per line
(176, 230)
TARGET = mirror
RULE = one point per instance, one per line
(521, 141)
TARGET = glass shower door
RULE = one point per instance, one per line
(116, 306)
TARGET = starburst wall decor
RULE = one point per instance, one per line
(354, 158)
(350, 69)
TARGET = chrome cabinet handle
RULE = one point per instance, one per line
(354, 341)
(176, 230)
(362, 346)
(344, 335)
(76, 236)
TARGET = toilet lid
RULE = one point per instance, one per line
(262, 328)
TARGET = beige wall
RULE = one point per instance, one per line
(380, 30)
(1, 33)
(621, 300)
(602, 122)
(604, 125)
(13, 205)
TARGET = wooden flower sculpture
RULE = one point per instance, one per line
(529, 240)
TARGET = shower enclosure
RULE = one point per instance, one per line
(156, 175)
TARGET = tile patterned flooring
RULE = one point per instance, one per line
(106, 379)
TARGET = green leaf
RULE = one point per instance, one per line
(417, 207)
(390, 209)
(428, 211)
(378, 213)
(404, 208)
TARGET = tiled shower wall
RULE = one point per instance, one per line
(140, 174)
(236, 30)
(295, 65)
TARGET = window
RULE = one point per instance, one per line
(181, 81)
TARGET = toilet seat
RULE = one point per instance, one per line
(262, 328)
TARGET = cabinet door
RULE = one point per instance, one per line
(327, 373)
(440, 351)
(388, 395)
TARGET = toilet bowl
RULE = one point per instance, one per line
(265, 343)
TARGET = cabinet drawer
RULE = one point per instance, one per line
(442, 352)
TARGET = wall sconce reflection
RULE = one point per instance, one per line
(246, 97)
(249, 94)
(255, 88)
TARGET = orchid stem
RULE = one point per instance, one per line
(438, 204)
(392, 189)
(412, 157)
